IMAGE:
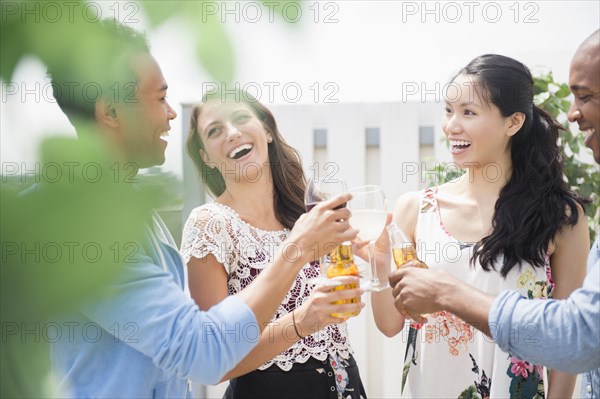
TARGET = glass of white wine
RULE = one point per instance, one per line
(317, 190)
(369, 213)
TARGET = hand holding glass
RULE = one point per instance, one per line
(369, 213)
(317, 190)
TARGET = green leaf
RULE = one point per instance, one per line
(565, 105)
(563, 91)
(469, 393)
(557, 105)
(405, 371)
(215, 51)
(13, 45)
(540, 85)
(541, 98)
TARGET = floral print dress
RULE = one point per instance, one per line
(446, 357)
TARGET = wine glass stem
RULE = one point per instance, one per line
(373, 263)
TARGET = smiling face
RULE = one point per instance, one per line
(477, 131)
(144, 118)
(234, 140)
(584, 80)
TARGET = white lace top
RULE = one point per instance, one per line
(245, 251)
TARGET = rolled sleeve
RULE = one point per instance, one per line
(500, 318)
(171, 329)
(561, 334)
(230, 331)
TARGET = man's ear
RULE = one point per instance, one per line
(515, 123)
(106, 114)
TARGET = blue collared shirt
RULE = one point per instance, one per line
(147, 338)
(561, 334)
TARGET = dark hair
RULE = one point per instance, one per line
(536, 203)
(78, 83)
(286, 170)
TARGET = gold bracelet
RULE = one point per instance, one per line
(295, 327)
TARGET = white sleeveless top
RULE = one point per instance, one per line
(245, 251)
(447, 358)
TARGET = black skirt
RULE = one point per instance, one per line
(314, 379)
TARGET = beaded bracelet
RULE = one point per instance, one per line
(295, 327)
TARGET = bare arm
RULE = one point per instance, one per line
(314, 234)
(208, 286)
(311, 317)
(571, 323)
(420, 291)
(568, 272)
(387, 318)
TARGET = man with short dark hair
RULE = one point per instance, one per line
(146, 337)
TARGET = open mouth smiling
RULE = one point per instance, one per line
(240, 151)
(460, 144)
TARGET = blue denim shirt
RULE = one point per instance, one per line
(147, 338)
(561, 334)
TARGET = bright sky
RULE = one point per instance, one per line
(350, 51)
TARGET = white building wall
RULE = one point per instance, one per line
(346, 142)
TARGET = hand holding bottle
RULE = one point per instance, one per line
(405, 255)
(329, 305)
(341, 263)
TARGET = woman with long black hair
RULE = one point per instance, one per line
(510, 222)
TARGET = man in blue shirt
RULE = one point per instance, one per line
(559, 334)
(146, 337)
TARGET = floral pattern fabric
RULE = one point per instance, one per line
(446, 357)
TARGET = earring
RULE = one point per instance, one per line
(270, 139)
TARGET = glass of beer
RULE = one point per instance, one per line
(341, 263)
(403, 249)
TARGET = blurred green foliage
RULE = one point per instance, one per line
(583, 177)
(62, 241)
(75, 40)
(45, 265)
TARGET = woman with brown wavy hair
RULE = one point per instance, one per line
(259, 185)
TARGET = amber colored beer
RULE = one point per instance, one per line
(341, 263)
(405, 254)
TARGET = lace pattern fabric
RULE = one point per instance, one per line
(245, 251)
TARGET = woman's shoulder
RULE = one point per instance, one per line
(569, 233)
(210, 209)
(210, 212)
(408, 203)
(406, 210)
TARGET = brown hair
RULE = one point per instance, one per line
(284, 160)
